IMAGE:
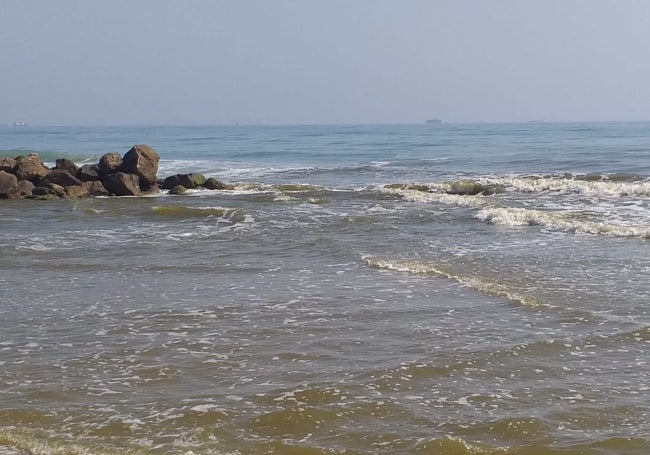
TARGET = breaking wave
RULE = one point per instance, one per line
(511, 216)
(600, 186)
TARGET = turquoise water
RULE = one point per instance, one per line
(348, 296)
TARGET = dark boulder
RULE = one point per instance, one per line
(88, 173)
(189, 181)
(30, 168)
(7, 164)
(142, 161)
(214, 184)
(42, 191)
(8, 183)
(60, 177)
(110, 163)
(86, 189)
(67, 165)
(122, 184)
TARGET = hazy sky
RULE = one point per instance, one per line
(328, 61)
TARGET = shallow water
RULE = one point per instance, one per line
(344, 298)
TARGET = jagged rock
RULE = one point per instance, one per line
(214, 184)
(178, 189)
(189, 181)
(7, 164)
(86, 189)
(60, 177)
(30, 168)
(8, 182)
(142, 160)
(110, 163)
(122, 184)
(67, 165)
(88, 173)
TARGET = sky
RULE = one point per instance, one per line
(178, 62)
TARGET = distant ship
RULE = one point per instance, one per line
(434, 121)
(20, 124)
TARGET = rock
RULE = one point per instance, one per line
(472, 188)
(22, 189)
(67, 165)
(7, 164)
(214, 184)
(43, 197)
(409, 186)
(86, 189)
(30, 168)
(88, 173)
(142, 160)
(197, 179)
(42, 191)
(122, 184)
(60, 177)
(58, 189)
(109, 163)
(178, 189)
(189, 181)
(8, 182)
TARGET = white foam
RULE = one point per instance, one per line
(510, 216)
(602, 188)
(439, 198)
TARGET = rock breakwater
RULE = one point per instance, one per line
(133, 174)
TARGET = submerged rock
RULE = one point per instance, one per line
(472, 188)
(214, 184)
(409, 186)
(189, 181)
(178, 189)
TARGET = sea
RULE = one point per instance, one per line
(461, 289)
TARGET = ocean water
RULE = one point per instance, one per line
(347, 297)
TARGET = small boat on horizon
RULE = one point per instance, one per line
(434, 121)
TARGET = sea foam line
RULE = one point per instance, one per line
(478, 284)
